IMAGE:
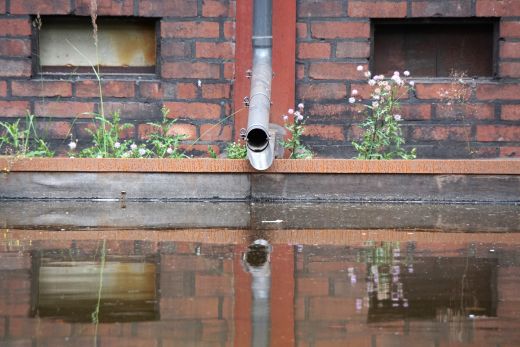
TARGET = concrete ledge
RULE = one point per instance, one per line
(419, 166)
(298, 180)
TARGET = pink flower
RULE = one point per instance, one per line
(372, 82)
(354, 92)
(285, 118)
(300, 106)
(290, 111)
(396, 73)
(359, 68)
(133, 146)
(398, 117)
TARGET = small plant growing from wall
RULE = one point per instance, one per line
(294, 122)
(22, 139)
(236, 150)
(382, 135)
(162, 144)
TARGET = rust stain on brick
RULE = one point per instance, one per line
(315, 166)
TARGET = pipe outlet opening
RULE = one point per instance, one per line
(257, 140)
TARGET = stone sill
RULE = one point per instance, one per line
(280, 166)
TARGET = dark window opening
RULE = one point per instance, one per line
(435, 48)
(124, 45)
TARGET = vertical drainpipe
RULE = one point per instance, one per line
(260, 146)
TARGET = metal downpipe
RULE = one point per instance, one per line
(260, 147)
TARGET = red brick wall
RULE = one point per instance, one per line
(335, 36)
(196, 42)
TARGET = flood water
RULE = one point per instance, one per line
(264, 286)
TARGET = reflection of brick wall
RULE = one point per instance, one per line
(335, 36)
(196, 298)
(196, 42)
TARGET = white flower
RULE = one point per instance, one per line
(142, 151)
(352, 99)
(371, 83)
(367, 74)
(359, 68)
(377, 90)
(290, 111)
(285, 117)
(99, 156)
(412, 83)
(169, 150)
(300, 117)
(133, 146)
(117, 145)
(300, 106)
(396, 73)
(388, 88)
(354, 92)
(406, 73)
(375, 104)
(72, 145)
(398, 117)
(376, 97)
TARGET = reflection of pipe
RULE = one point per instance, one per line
(257, 263)
(260, 148)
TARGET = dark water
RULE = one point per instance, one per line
(303, 288)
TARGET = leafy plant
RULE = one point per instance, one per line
(18, 139)
(382, 136)
(211, 152)
(105, 138)
(164, 145)
(236, 150)
(296, 129)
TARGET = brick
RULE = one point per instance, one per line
(445, 8)
(438, 90)
(175, 49)
(54, 130)
(335, 30)
(510, 49)
(40, 7)
(510, 112)
(510, 29)
(215, 132)
(186, 91)
(41, 88)
(184, 129)
(15, 68)
(217, 8)
(70, 109)
(301, 30)
(353, 50)
(82, 133)
(330, 309)
(312, 286)
(170, 8)
(3, 88)
(325, 132)
(188, 263)
(189, 308)
(229, 71)
(333, 71)
(300, 71)
(134, 110)
(110, 89)
(498, 133)
(229, 30)
(314, 50)
(13, 108)
(377, 9)
(511, 152)
(186, 30)
(190, 70)
(127, 341)
(466, 111)
(359, 340)
(498, 91)
(15, 47)
(15, 27)
(321, 91)
(510, 69)
(151, 90)
(313, 8)
(416, 112)
(208, 285)
(106, 7)
(441, 133)
(497, 8)
(2, 6)
(329, 111)
(216, 91)
(217, 50)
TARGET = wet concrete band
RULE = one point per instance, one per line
(496, 180)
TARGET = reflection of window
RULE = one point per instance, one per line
(69, 289)
(124, 46)
(434, 48)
